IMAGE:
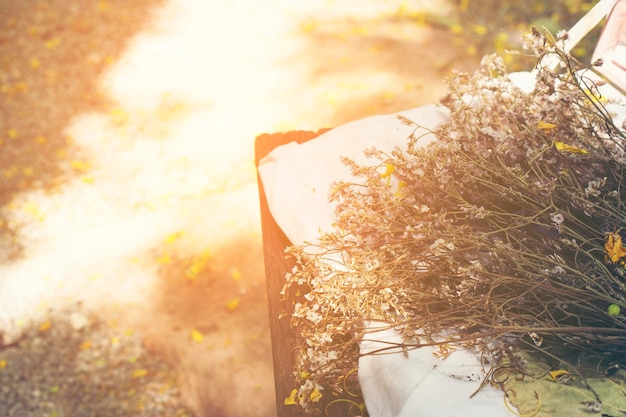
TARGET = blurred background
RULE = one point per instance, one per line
(127, 178)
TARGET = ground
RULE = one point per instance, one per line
(127, 138)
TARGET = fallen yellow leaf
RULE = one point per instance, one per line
(52, 43)
(139, 373)
(480, 30)
(173, 237)
(564, 147)
(456, 29)
(236, 274)
(232, 304)
(80, 166)
(164, 259)
(3, 363)
(197, 336)
(35, 63)
(45, 326)
(85, 345)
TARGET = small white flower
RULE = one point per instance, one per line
(557, 218)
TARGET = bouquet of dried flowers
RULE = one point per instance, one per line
(505, 232)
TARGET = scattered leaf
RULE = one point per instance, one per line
(308, 26)
(480, 30)
(3, 363)
(164, 259)
(197, 336)
(34, 210)
(85, 345)
(140, 373)
(173, 237)
(35, 63)
(236, 274)
(232, 304)
(54, 389)
(564, 147)
(45, 326)
(80, 166)
(53, 43)
(197, 265)
(456, 29)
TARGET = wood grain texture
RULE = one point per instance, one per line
(285, 338)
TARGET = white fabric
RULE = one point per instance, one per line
(296, 179)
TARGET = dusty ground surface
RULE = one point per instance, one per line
(133, 187)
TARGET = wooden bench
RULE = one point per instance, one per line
(285, 338)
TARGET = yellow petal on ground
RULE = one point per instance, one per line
(456, 29)
(34, 210)
(480, 30)
(115, 341)
(236, 274)
(87, 179)
(197, 265)
(232, 304)
(3, 363)
(308, 26)
(85, 345)
(80, 166)
(564, 147)
(164, 259)
(119, 115)
(545, 125)
(197, 336)
(12, 133)
(35, 63)
(140, 373)
(45, 326)
(173, 237)
(52, 43)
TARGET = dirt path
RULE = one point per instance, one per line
(159, 229)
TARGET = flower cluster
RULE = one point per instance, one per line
(504, 231)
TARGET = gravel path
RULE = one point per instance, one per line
(73, 364)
